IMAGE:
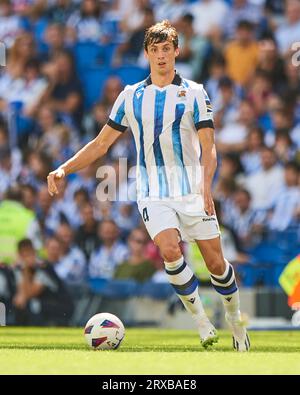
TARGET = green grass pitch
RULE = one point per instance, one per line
(145, 351)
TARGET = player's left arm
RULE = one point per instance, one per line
(209, 165)
(204, 124)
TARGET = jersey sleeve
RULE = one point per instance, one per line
(117, 119)
(202, 111)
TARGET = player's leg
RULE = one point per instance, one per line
(184, 282)
(223, 280)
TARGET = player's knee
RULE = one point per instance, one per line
(216, 265)
(171, 253)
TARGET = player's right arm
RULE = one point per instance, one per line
(87, 155)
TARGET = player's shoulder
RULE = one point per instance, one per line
(192, 85)
(129, 89)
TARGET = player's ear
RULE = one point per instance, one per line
(146, 54)
(177, 50)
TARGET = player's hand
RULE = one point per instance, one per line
(52, 179)
(209, 206)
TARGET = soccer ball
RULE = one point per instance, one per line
(104, 331)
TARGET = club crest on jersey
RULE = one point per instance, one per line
(181, 94)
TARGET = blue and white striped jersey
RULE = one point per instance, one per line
(164, 122)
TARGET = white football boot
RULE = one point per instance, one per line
(240, 338)
(208, 333)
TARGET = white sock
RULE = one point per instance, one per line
(226, 286)
(185, 284)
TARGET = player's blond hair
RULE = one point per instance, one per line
(160, 32)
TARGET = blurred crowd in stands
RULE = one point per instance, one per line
(66, 63)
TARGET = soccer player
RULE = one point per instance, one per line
(172, 121)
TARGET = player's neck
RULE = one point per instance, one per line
(162, 80)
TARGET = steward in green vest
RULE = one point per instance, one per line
(15, 223)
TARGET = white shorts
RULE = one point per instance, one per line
(185, 214)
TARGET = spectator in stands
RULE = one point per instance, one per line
(269, 178)
(81, 197)
(29, 197)
(226, 103)
(10, 24)
(53, 250)
(210, 15)
(15, 153)
(86, 235)
(34, 18)
(126, 217)
(10, 80)
(171, 10)
(193, 48)
(245, 49)
(131, 49)
(16, 222)
(63, 210)
(21, 52)
(65, 93)
(278, 117)
(132, 17)
(7, 290)
(85, 24)
(94, 121)
(55, 40)
(242, 218)
(230, 244)
(54, 138)
(258, 94)
(112, 88)
(41, 297)
(111, 252)
(43, 208)
(243, 10)
(136, 267)
(289, 31)
(72, 266)
(228, 172)
(286, 206)
(32, 88)
(233, 135)
(284, 147)
(60, 11)
(217, 70)
(250, 158)
(37, 164)
(85, 179)
(9, 169)
(270, 62)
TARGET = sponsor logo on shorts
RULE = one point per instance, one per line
(208, 219)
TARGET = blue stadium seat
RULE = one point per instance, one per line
(130, 74)
(88, 54)
(156, 290)
(93, 80)
(114, 289)
(269, 259)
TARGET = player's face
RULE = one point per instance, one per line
(162, 57)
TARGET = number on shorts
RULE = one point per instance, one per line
(145, 215)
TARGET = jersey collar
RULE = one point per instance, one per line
(176, 80)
